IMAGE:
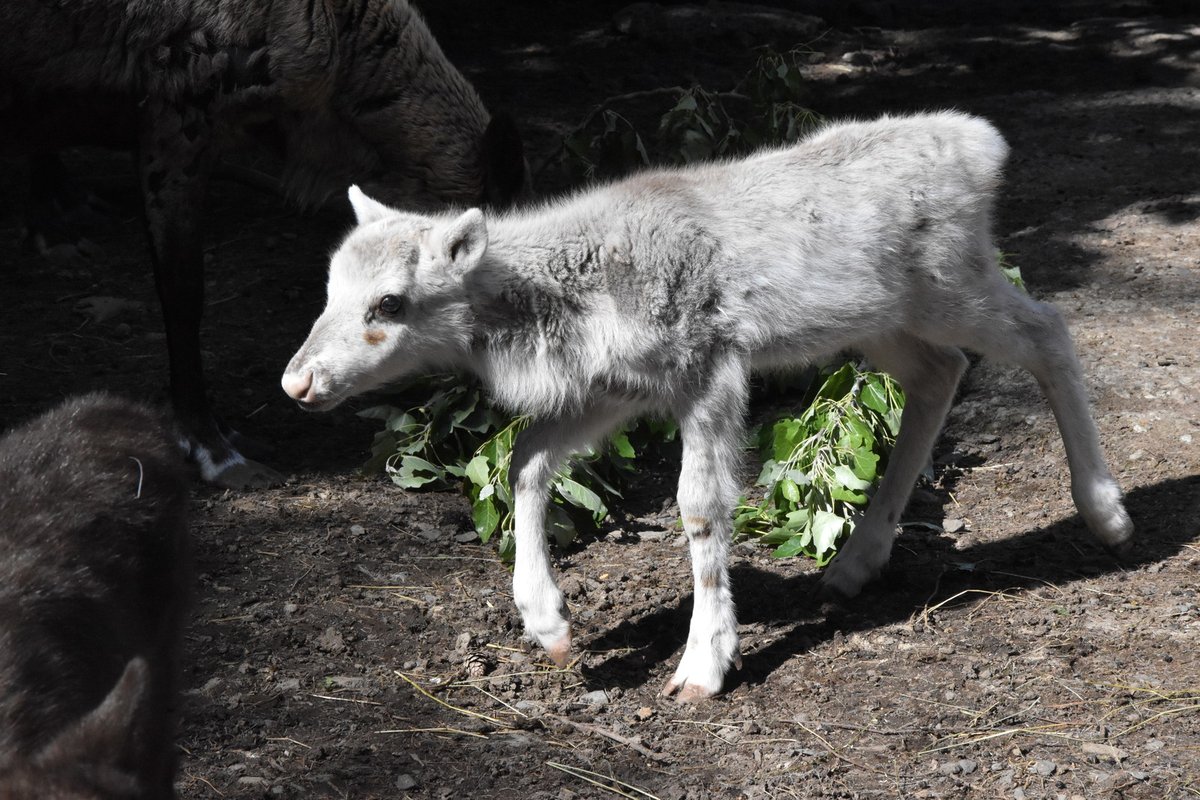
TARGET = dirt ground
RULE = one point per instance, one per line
(347, 643)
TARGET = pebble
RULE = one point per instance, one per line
(967, 766)
(1101, 750)
(953, 525)
(1045, 768)
(596, 698)
(357, 530)
(404, 781)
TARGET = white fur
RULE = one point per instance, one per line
(662, 292)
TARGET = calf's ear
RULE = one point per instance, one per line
(459, 245)
(367, 210)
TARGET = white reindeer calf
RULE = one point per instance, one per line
(661, 292)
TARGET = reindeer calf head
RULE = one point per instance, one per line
(396, 303)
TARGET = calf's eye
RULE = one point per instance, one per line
(391, 304)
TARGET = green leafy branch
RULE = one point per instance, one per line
(821, 465)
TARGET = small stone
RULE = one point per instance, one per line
(953, 525)
(357, 530)
(405, 782)
(1104, 751)
(968, 766)
(652, 536)
(950, 768)
(644, 713)
(596, 698)
(252, 780)
(331, 641)
(466, 536)
(462, 642)
(290, 608)
(1045, 768)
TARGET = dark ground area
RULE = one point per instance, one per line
(346, 644)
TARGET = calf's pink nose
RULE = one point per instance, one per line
(299, 386)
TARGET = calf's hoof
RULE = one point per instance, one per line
(689, 692)
(560, 651)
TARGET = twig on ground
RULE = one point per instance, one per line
(455, 731)
(288, 739)
(633, 744)
(836, 753)
(590, 777)
(207, 783)
(451, 706)
(346, 699)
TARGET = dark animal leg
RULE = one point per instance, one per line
(175, 160)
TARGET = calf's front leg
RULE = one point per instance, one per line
(540, 450)
(711, 427)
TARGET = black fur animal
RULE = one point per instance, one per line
(348, 89)
(94, 567)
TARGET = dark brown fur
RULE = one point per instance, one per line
(93, 574)
(348, 89)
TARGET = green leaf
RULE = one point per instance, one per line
(486, 518)
(560, 526)
(620, 442)
(847, 495)
(508, 549)
(866, 465)
(846, 477)
(838, 384)
(414, 472)
(873, 396)
(790, 490)
(579, 495)
(778, 535)
(792, 547)
(826, 529)
(478, 471)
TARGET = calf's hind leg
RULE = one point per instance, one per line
(1012, 327)
(929, 374)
